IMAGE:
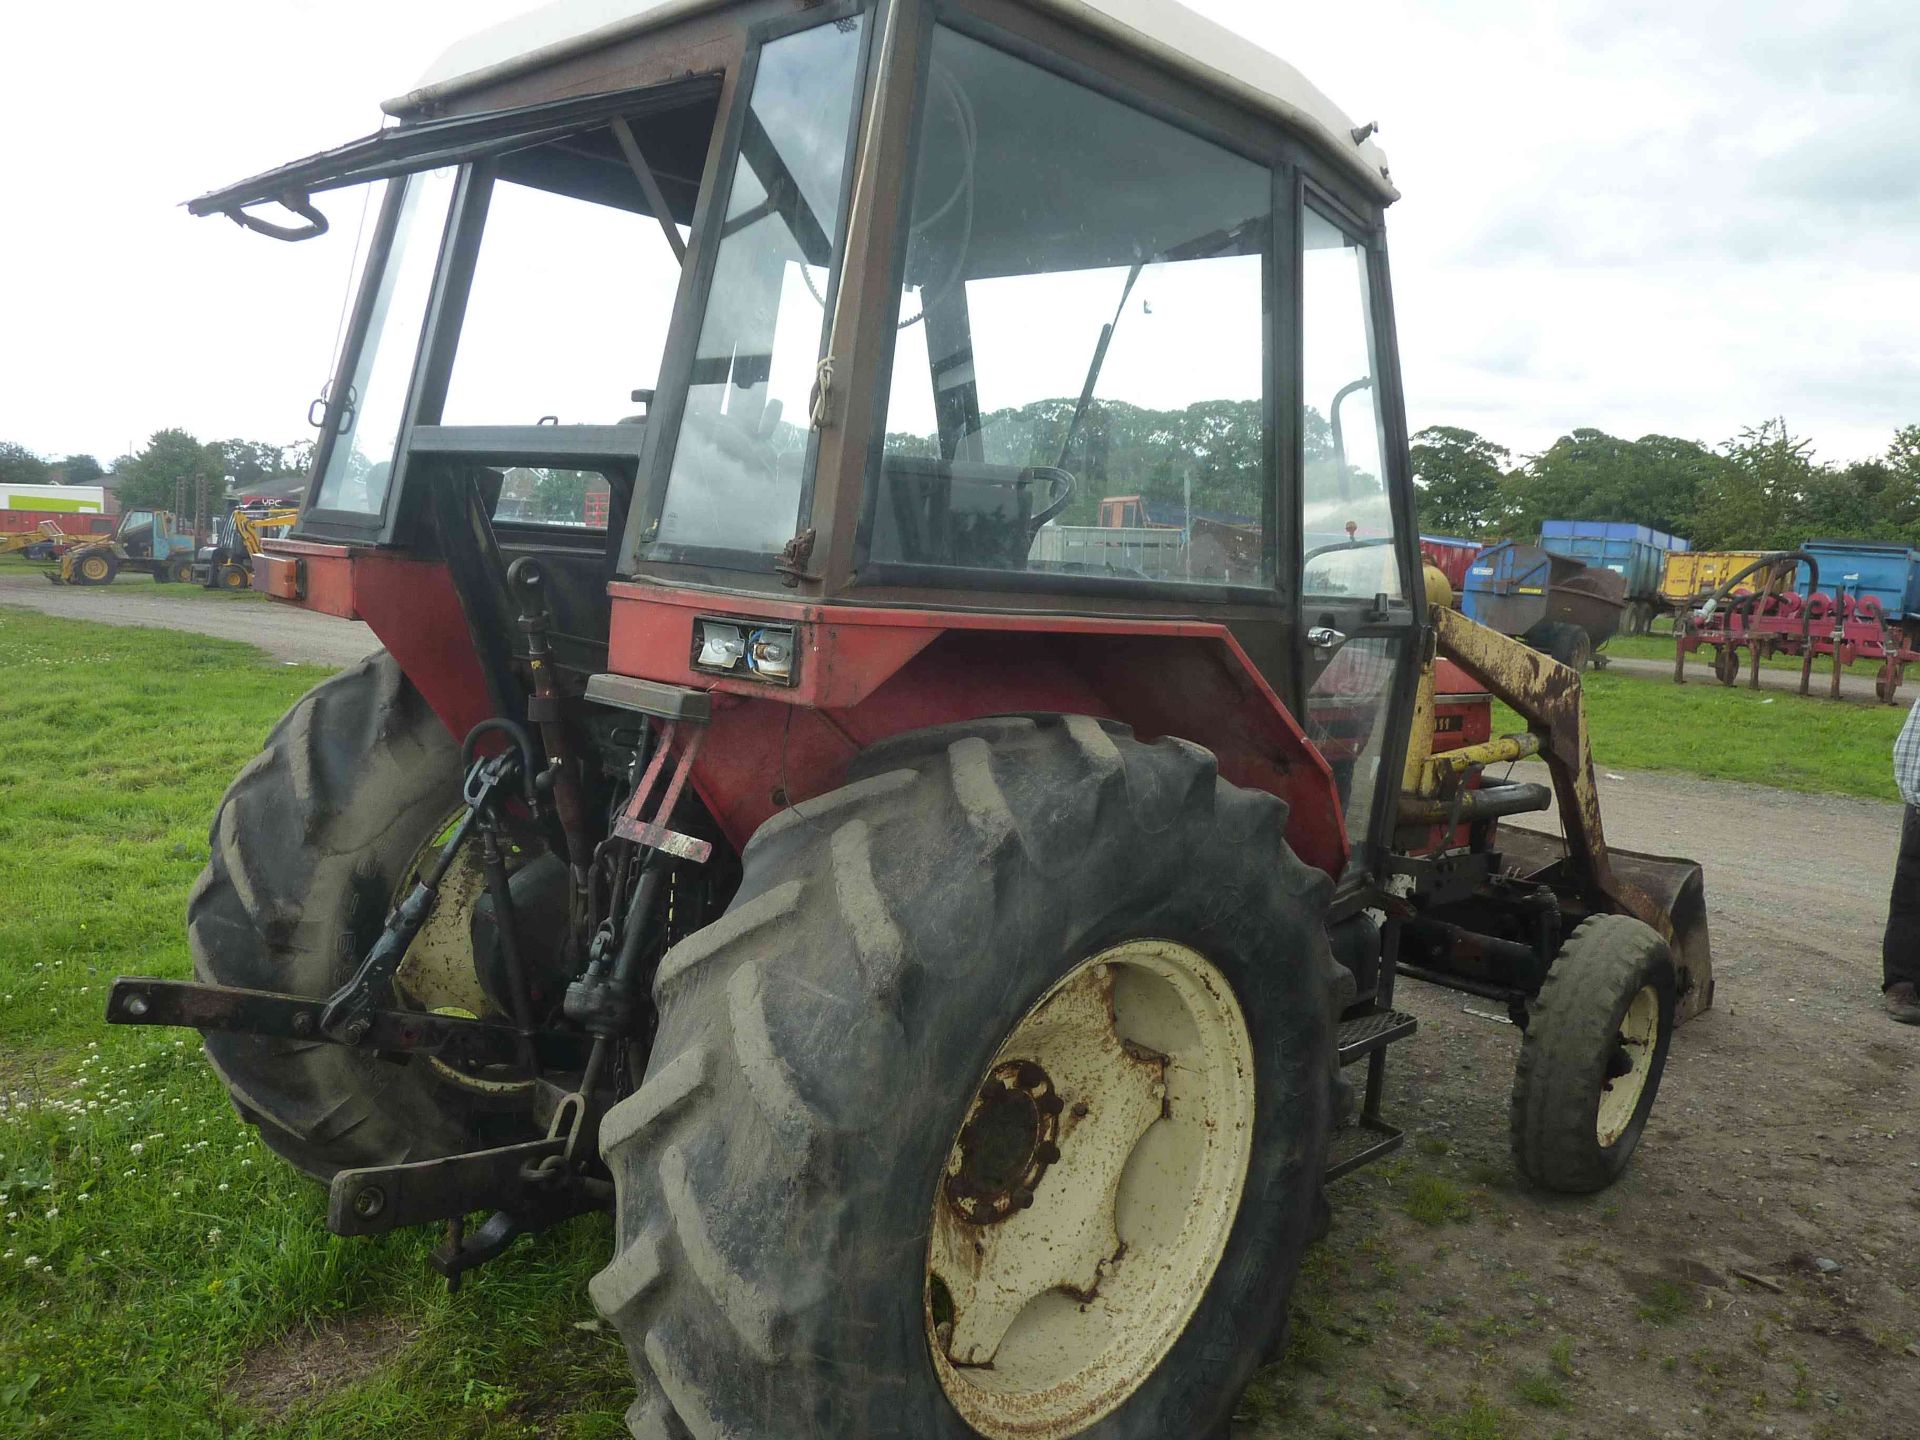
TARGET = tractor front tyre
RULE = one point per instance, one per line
(996, 1105)
(95, 569)
(309, 848)
(235, 577)
(1595, 1048)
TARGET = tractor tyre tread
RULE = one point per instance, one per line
(750, 1155)
(305, 851)
(1558, 1077)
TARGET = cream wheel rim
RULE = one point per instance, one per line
(1088, 1198)
(437, 973)
(1620, 1094)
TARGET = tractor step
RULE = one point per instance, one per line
(1369, 1138)
(1362, 1143)
(1360, 1037)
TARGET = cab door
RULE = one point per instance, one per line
(1360, 628)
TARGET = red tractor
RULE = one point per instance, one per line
(942, 956)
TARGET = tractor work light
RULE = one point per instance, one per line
(720, 646)
(746, 651)
(770, 654)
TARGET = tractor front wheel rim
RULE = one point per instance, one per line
(1629, 1063)
(1090, 1193)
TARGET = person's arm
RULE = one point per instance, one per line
(1906, 757)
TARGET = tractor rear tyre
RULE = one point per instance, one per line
(1595, 1048)
(309, 847)
(1019, 1047)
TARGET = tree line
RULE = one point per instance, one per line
(152, 475)
(1764, 489)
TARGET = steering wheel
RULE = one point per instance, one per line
(1062, 482)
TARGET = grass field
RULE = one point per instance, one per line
(1770, 738)
(161, 1274)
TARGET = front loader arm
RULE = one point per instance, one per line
(1547, 694)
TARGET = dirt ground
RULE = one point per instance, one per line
(280, 630)
(1755, 1273)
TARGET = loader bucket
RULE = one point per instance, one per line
(1678, 891)
(1675, 888)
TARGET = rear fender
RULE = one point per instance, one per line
(409, 604)
(865, 674)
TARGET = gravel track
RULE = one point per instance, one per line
(283, 631)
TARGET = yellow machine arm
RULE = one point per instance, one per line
(251, 527)
(1665, 893)
(22, 539)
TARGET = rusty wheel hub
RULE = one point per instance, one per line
(1011, 1136)
(1090, 1191)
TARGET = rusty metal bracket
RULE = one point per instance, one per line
(528, 1187)
(138, 1000)
(511, 1178)
(655, 834)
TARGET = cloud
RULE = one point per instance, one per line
(1641, 216)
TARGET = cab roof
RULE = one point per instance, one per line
(1163, 30)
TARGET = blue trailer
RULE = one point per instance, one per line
(1887, 570)
(1558, 605)
(1636, 553)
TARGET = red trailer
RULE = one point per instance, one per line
(1451, 556)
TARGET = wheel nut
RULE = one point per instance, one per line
(303, 1023)
(369, 1202)
(1048, 1153)
(1022, 1199)
(136, 1006)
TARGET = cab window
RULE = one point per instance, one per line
(1347, 529)
(1079, 355)
(367, 418)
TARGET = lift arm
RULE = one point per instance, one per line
(1547, 694)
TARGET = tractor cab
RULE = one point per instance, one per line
(872, 310)
(913, 741)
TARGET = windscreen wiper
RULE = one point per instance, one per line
(1201, 247)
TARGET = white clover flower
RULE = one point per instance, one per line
(136, 1148)
(31, 1262)
(83, 1197)
(54, 1213)
(213, 1236)
(223, 1184)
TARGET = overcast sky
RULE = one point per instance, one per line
(1675, 218)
